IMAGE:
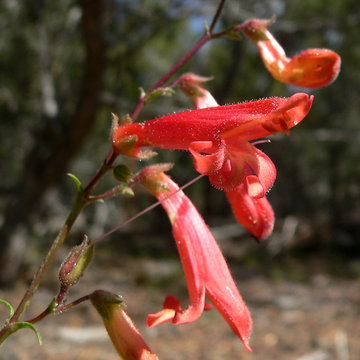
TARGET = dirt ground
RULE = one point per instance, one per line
(313, 318)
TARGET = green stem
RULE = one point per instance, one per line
(82, 199)
(45, 265)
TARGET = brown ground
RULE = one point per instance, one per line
(313, 318)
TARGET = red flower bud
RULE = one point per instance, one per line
(124, 335)
(191, 85)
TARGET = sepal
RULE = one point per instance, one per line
(151, 177)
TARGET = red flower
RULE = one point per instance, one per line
(218, 139)
(204, 266)
(218, 136)
(311, 68)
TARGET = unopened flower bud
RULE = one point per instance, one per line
(122, 173)
(75, 264)
(124, 335)
(191, 85)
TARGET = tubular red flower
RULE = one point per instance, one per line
(218, 139)
(246, 121)
(204, 266)
(311, 68)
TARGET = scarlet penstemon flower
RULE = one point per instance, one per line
(248, 200)
(311, 68)
(218, 139)
(204, 266)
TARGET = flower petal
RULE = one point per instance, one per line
(313, 68)
(207, 158)
(255, 214)
(277, 115)
(171, 306)
(266, 170)
(245, 121)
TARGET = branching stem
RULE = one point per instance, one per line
(84, 197)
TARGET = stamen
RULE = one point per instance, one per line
(261, 141)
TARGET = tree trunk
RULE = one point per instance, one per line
(54, 148)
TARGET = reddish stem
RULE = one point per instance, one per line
(140, 105)
(58, 309)
(106, 195)
(217, 15)
(105, 165)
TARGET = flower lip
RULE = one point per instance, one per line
(314, 68)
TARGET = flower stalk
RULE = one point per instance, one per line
(81, 200)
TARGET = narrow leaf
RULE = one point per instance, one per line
(77, 182)
(24, 324)
(9, 306)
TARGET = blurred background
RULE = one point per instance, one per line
(66, 65)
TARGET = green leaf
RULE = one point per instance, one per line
(206, 26)
(77, 182)
(24, 324)
(142, 92)
(9, 306)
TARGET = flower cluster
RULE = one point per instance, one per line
(222, 141)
